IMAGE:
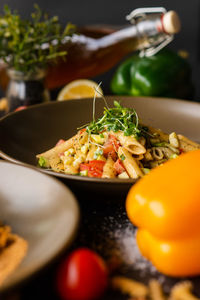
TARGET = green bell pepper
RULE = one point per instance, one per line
(165, 74)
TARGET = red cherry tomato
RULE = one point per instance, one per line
(82, 276)
(21, 107)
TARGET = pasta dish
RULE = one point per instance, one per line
(117, 145)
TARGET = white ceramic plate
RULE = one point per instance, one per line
(40, 209)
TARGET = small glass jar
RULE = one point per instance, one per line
(26, 89)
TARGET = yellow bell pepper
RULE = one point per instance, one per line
(165, 206)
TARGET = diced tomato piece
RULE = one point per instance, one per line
(95, 173)
(61, 141)
(111, 147)
(82, 130)
(119, 167)
(97, 164)
(84, 167)
(94, 168)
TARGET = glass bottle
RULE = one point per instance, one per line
(25, 89)
(151, 29)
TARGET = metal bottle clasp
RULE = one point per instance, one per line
(141, 14)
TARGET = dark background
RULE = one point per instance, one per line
(114, 11)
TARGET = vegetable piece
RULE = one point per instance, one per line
(167, 216)
(94, 168)
(82, 276)
(163, 74)
(119, 167)
(61, 141)
(84, 173)
(43, 162)
(111, 146)
(21, 107)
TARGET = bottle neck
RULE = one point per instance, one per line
(146, 30)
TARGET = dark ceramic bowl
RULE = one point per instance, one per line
(28, 132)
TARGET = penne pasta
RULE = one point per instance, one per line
(159, 153)
(80, 140)
(130, 143)
(130, 163)
(159, 134)
(147, 155)
(108, 169)
(186, 144)
(58, 149)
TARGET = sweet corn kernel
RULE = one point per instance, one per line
(85, 148)
(68, 160)
(69, 152)
(98, 139)
(78, 161)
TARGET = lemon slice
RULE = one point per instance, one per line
(81, 88)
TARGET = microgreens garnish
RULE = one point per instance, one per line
(115, 119)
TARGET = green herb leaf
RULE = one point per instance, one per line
(28, 45)
(122, 157)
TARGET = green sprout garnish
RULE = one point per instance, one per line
(118, 118)
(122, 157)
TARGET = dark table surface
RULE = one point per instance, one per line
(104, 227)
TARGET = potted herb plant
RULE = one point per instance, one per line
(26, 46)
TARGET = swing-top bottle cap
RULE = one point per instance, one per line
(171, 22)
